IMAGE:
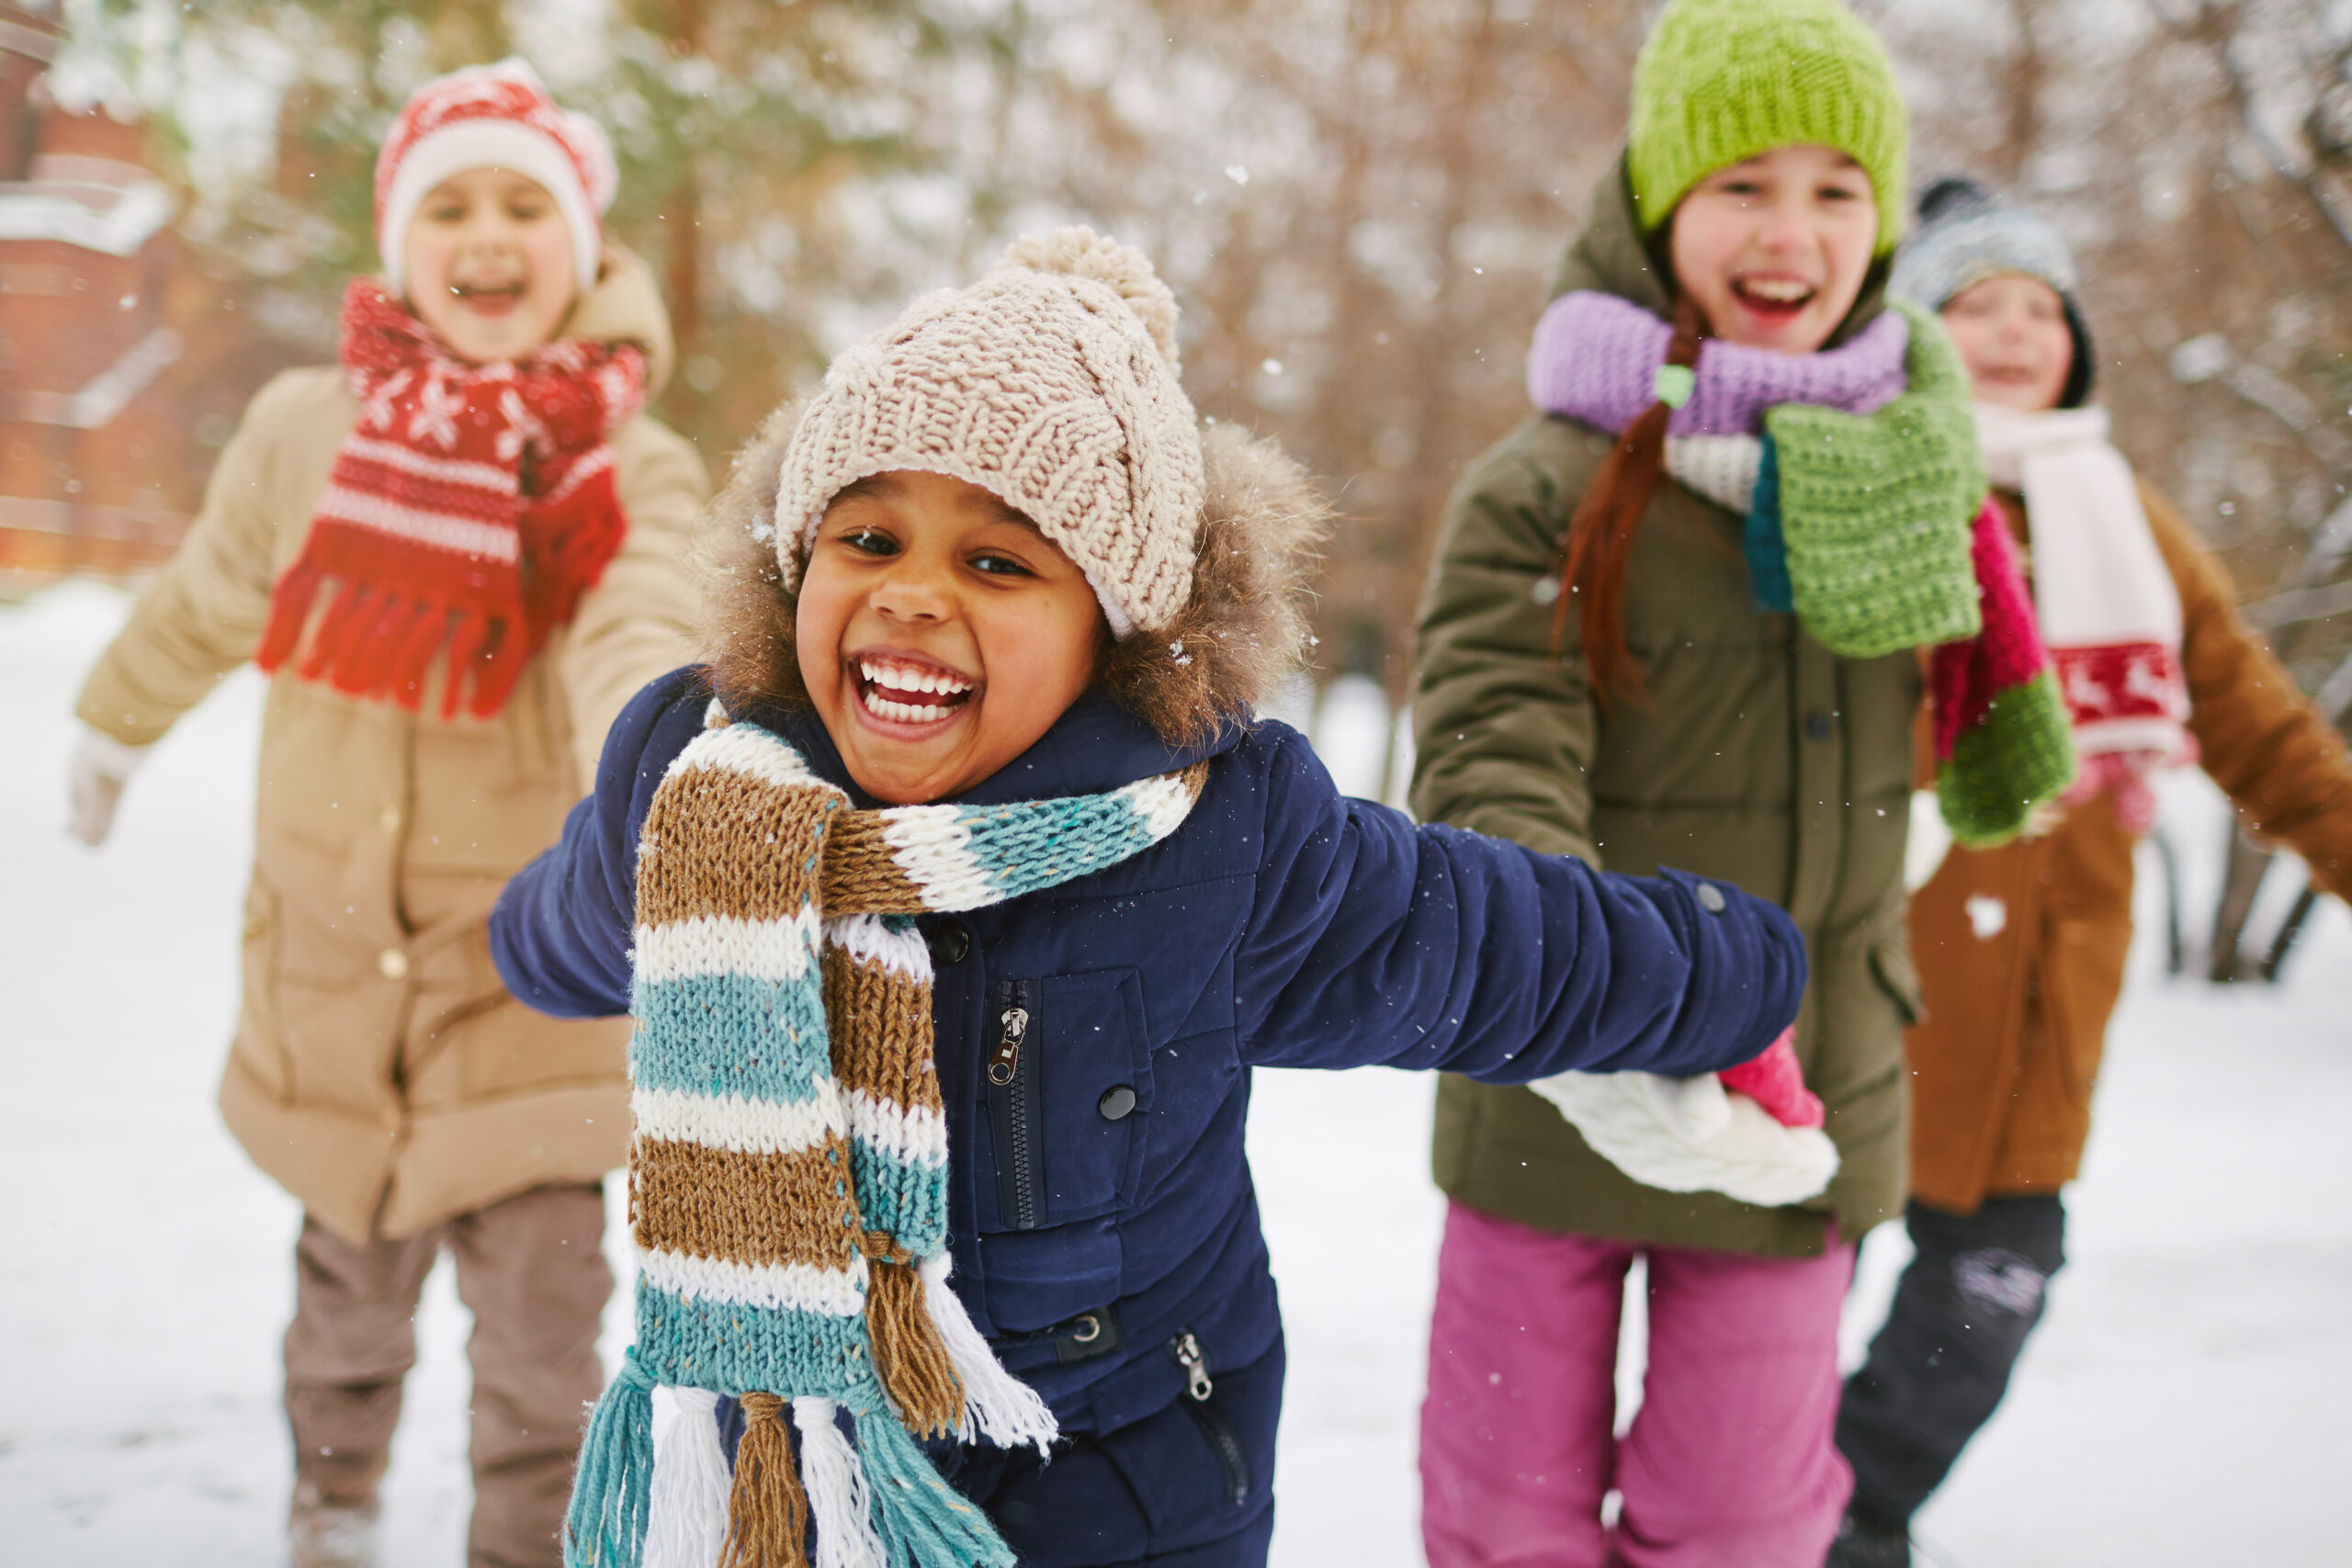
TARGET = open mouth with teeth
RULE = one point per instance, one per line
(1775, 298)
(902, 692)
(495, 299)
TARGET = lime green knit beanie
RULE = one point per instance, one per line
(1724, 80)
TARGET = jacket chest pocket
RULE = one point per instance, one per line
(1067, 1079)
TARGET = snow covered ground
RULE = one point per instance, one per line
(2181, 1407)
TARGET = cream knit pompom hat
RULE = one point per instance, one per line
(1052, 383)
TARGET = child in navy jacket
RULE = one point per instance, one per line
(956, 900)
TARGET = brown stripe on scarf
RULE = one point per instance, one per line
(861, 871)
(888, 1014)
(862, 875)
(721, 829)
(750, 1208)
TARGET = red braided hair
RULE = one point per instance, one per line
(1601, 534)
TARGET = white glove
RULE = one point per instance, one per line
(100, 767)
(1694, 1136)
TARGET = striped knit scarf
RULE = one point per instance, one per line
(788, 1175)
(1867, 516)
(469, 508)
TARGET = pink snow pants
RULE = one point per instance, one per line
(1729, 1463)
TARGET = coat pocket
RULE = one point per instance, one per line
(1066, 1078)
(262, 1045)
(2082, 977)
(1891, 967)
(1203, 1464)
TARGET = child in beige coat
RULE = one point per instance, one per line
(457, 554)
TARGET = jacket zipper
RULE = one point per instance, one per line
(1214, 1423)
(1012, 1073)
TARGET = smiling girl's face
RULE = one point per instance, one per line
(489, 265)
(1773, 251)
(940, 634)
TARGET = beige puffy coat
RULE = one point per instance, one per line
(381, 1072)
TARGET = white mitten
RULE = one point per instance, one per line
(101, 765)
(1930, 841)
(1694, 1136)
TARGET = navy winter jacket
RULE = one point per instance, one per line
(1100, 1203)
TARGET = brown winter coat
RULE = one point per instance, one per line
(379, 1071)
(2003, 1065)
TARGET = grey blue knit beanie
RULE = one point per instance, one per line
(1967, 234)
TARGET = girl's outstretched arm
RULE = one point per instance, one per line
(561, 932)
(1375, 940)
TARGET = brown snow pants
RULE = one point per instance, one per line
(532, 1270)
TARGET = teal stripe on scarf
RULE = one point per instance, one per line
(1768, 554)
(1047, 842)
(722, 1034)
(906, 1198)
(734, 1347)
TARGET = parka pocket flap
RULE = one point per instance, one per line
(1891, 967)
(1067, 1085)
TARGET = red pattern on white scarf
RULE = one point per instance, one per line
(2105, 598)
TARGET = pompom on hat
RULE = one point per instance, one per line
(1052, 383)
(494, 116)
(1720, 81)
(1967, 234)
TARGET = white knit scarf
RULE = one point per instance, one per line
(2108, 608)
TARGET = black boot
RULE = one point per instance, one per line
(1861, 1544)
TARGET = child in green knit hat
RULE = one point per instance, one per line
(1678, 617)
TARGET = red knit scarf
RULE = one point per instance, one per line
(469, 508)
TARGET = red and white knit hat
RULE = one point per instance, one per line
(494, 115)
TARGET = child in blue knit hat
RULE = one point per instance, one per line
(956, 897)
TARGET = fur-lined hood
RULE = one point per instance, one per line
(1241, 632)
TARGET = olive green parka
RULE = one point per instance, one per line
(1755, 757)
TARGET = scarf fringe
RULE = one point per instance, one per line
(767, 1513)
(997, 1405)
(839, 1499)
(374, 641)
(290, 607)
(690, 1486)
(912, 1359)
(920, 1519)
(612, 1494)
